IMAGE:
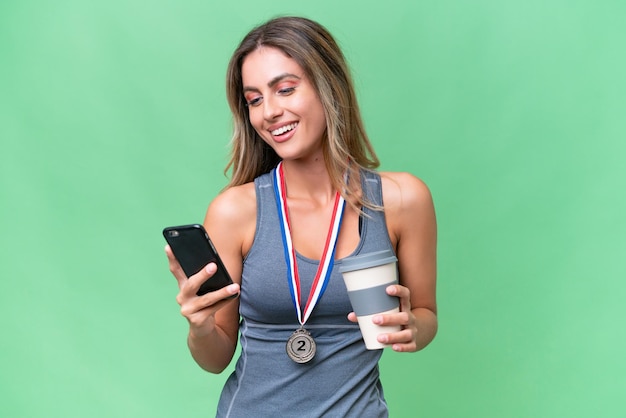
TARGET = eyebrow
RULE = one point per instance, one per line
(274, 81)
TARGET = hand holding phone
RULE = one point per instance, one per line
(193, 249)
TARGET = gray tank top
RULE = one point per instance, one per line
(342, 380)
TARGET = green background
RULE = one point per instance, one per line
(113, 124)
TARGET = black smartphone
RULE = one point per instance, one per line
(193, 249)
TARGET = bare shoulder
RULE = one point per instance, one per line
(404, 190)
(231, 217)
(234, 204)
(408, 205)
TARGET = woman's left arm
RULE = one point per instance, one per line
(412, 226)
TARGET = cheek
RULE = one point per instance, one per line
(257, 124)
(312, 110)
(318, 116)
(256, 120)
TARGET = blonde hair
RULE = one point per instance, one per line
(347, 148)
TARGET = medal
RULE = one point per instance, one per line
(301, 345)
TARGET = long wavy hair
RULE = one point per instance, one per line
(346, 148)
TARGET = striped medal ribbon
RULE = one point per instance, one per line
(301, 346)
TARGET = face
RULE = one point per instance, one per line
(283, 106)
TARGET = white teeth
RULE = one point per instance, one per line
(284, 129)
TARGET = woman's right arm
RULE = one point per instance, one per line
(213, 320)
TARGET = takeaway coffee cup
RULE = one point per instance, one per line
(366, 277)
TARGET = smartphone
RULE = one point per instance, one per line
(193, 249)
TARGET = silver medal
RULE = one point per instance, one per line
(301, 346)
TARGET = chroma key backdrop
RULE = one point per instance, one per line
(114, 124)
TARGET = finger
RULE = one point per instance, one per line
(399, 318)
(221, 297)
(194, 282)
(189, 291)
(225, 293)
(401, 341)
(208, 303)
(175, 267)
(403, 293)
(352, 317)
(404, 348)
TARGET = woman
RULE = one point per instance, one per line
(298, 136)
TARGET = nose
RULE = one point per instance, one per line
(271, 108)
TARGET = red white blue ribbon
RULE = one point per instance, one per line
(328, 255)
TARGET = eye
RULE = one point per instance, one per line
(286, 91)
(254, 101)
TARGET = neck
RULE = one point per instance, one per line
(309, 181)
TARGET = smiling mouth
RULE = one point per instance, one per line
(284, 129)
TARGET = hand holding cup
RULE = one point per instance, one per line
(367, 277)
